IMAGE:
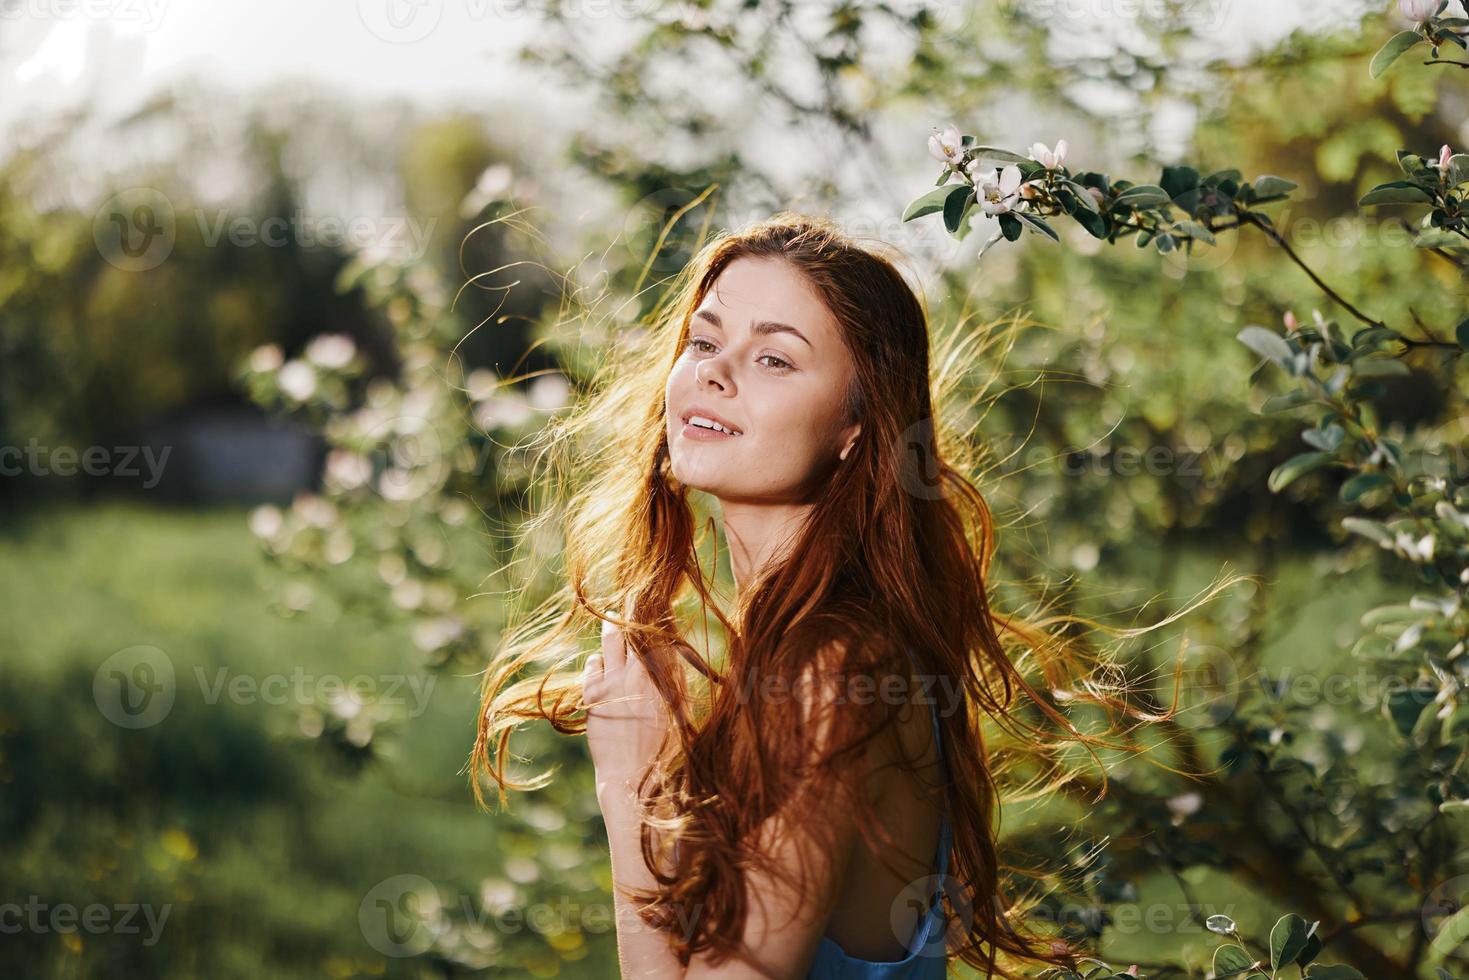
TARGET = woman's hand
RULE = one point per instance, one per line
(626, 716)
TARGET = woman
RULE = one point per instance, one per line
(796, 786)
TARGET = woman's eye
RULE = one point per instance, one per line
(694, 343)
(780, 363)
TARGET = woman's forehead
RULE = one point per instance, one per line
(753, 289)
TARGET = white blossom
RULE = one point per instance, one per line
(347, 470)
(265, 358)
(1417, 10)
(549, 392)
(1048, 158)
(332, 351)
(947, 145)
(997, 190)
(297, 379)
(266, 521)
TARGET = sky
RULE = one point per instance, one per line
(111, 56)
(114, 53)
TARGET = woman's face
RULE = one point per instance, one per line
(766, 359)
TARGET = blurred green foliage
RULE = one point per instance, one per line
(279, 834)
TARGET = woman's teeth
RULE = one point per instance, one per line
(702, 422)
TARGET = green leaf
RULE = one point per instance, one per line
(954, 207)
(1327, 439)
(1461, 333)
(1280, 403)
(1268, 185)
(1437, 238)
(1372, 335)
(1314, 945)
(1195, 230)
(934, 200)
(1144, 196)
(1039, 224)
(1396, 192)
(1231, 960)
(1287, 939)
(1284, 474)
(1392, 50)
(1393, 613)
(1178, 180)
(1361, 484)
(1010, 226)
(1266, 343)
(995, 153)
(1458, 169)
(1093, 222)
(1083, 196)
(1375, 530)
(1379, 367)
(1451, 935)
(1334, 972)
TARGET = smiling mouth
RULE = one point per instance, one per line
(702, 422)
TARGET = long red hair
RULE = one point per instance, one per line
(891, 569)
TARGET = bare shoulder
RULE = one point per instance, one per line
(827, 681)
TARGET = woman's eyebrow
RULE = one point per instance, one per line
(758, 327)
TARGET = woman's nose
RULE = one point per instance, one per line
(710, 371)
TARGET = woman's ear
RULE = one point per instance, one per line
(849, 437)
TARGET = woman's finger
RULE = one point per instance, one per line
(614, 646)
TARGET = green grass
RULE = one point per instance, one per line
(261, 841)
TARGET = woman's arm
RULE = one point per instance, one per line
(642, 951)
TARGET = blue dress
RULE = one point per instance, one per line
(926, 959)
